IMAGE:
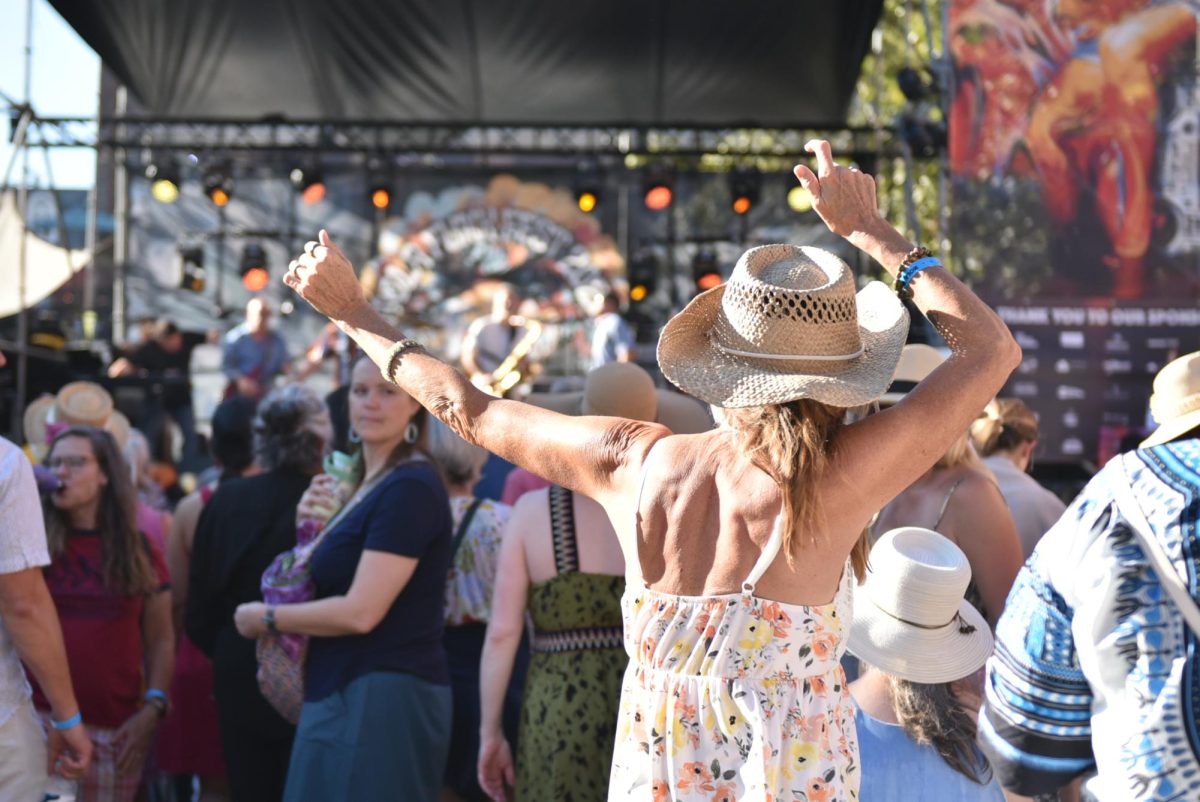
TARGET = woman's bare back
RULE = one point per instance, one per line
(706, 514)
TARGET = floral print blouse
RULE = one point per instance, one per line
(473, 568)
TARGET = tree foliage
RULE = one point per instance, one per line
(904, 39)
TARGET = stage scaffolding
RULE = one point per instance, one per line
(384, 138)
(129, 140)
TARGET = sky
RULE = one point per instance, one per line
(65, 83)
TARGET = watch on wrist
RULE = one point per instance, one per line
(269, 619)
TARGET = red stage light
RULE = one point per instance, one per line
(659, 197)
(256, 278)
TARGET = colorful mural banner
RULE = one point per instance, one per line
(1074, 150)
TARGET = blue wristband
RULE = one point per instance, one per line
(154, 693)
(68, 724)
(916, 267)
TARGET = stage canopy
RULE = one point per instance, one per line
(768, 63)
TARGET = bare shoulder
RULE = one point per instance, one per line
(187, 515)
(975, 486)
(977, 505)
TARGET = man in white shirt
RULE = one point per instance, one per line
(29, 633)
(612, 338)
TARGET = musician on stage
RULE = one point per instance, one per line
(496, 347)
(255, 354)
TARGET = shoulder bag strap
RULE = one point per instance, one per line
(464, 525)
(1168, 576)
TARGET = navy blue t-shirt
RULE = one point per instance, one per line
(407, 513)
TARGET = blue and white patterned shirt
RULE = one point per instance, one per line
(1094, 667)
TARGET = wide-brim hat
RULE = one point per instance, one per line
(1175, 400)
(34, 424)
(910, 618)
(787, 325)
(917, 361)
(76, 404)
(625, 390)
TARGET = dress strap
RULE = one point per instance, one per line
(562, 530)
(769, 552)
(946, 504)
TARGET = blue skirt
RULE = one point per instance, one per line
(382, 736)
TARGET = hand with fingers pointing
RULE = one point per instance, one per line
(844, 197)
(325, 278)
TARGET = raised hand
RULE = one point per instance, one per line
(844, 197)
(325, 278)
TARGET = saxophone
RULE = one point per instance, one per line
(511, 372)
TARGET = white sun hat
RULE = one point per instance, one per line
(787, 325)
(1175, 402)
(910, 618)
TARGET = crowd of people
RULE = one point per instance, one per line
(818, 571)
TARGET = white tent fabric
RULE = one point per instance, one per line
(47, 266)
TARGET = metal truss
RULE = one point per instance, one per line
(400, 138)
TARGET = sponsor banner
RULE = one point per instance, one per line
(1088, 369)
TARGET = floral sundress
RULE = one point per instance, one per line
(735, 698)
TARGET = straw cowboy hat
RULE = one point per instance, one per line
(624, 390)
(787, 325)
(917, 361)
(910, 618)
(1175, 401)
(76, 404)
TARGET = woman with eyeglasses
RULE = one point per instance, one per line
(110, 585)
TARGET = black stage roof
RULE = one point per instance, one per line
(694, 63)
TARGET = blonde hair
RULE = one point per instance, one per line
(1005, 424)
(791, 443)
(962, 453)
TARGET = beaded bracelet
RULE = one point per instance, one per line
(68, 724)
(918, 259)
(395, 352)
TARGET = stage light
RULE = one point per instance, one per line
(705, 270)
(745, 187)
(191, 268)
(381, 196)
(799, 199)
(164, 181)
(658, 195)
(310, 183)
(218, 186)
(255, 275)
(642, 275)
(587, 199)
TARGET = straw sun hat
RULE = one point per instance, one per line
(1175, 401)
(787, 325)
(917, 361)
(910, 618)
(76, 404)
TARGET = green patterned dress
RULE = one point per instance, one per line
(573, 688)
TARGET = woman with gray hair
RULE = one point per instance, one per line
(478, 528)
(733, 687)
(243, 527)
